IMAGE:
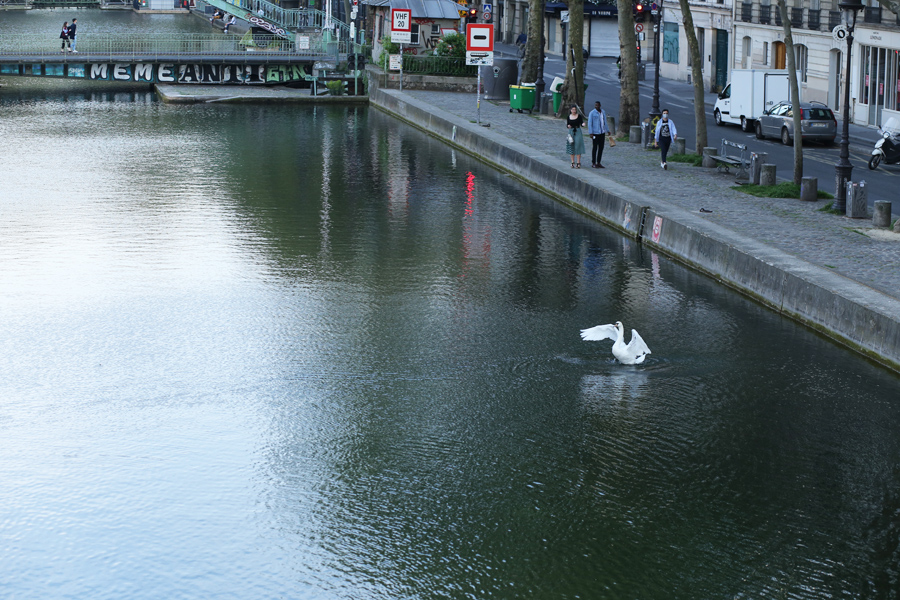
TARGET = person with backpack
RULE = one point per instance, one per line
(64, 36)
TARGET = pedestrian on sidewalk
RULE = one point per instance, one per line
(72, 39)
(597, 129)
(575, 140)
(665, 133)
(64, 36)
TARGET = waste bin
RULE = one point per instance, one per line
(497, 78)
(557, 100)
(521, 98)
(546, 103)
(642, 72)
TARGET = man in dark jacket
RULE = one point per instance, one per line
(72, 39)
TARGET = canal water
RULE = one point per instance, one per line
(309, 352)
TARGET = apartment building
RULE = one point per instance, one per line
(713, 20)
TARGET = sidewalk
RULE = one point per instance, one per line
(850, 247)
(837, 275)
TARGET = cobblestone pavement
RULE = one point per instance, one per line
(850, 247)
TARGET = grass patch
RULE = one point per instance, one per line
(829, 208)
(692, 159)
(786, 189)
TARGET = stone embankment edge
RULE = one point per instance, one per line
(850, 313)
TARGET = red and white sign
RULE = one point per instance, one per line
(401, 26)
(480, 37)
(638, 27)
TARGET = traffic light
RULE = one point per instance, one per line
(472, 16)
(640, 11)
(351, 63)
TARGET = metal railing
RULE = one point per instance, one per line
(119, 47)
(438, 65)
(293, 18)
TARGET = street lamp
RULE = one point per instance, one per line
(843, 168)
(656, 12)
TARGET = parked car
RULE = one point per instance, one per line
(817, 123)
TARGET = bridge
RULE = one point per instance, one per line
(203, 58)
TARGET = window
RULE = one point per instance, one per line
(436, 29)
(766, 54)
(747, 52)
(414, 35)
(801, 58)
(670, 42)
(873, 11)
(765, 12)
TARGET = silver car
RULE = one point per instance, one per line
(817, 123)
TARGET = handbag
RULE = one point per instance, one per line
(570, 139)
(612, 141)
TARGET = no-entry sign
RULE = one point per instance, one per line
(479, 37)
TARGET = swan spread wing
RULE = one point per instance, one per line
(637, 344)
(600, 332)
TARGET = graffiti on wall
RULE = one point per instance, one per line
(165, 73)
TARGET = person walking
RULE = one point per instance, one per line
(64, 36)
(597, 129)
(665, 133)
(575, 140)
(72, 39)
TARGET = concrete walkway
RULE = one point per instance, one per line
(838, 275)
(851, 247)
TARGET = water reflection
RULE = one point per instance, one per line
(309, 352)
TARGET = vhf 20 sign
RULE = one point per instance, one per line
(401, 26)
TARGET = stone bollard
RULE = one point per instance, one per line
(857, 200)
(647, 137)
(882, 216)
(634, 134)
(707, 152)
(767, 174)
(757, 160)
(611, 124)
(680, 146)
(809, 189)
(897, 226)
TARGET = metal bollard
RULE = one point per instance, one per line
(809, 189)
(882, 216)
(767, 175)
(707, 152)
(646, 134)
(757, 160)
(857, 200)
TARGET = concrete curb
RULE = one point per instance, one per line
(859, 317)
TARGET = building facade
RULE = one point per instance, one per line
(714, 21)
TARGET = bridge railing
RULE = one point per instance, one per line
(161, 47)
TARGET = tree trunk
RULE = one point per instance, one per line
(573, 86)
(795, 92)
(629, 102)
(696, 74)
(533, 43)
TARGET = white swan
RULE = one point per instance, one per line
(633, 353)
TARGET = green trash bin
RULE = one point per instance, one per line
(557, 100)
(521, 97)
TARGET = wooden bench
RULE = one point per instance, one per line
(726, 161)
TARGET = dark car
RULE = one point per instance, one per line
(817, 123)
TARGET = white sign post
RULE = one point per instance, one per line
(401, 32)
(479, 51)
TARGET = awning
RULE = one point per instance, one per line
(590, 9)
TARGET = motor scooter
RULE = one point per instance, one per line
(887, 149)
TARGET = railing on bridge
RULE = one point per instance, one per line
(167, 47)
(292, 19)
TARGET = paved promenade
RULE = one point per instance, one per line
(849, 247)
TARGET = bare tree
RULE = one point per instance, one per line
(629, 101)
(533, 43)
(573, 87)
(795, 91)
(696, 74)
